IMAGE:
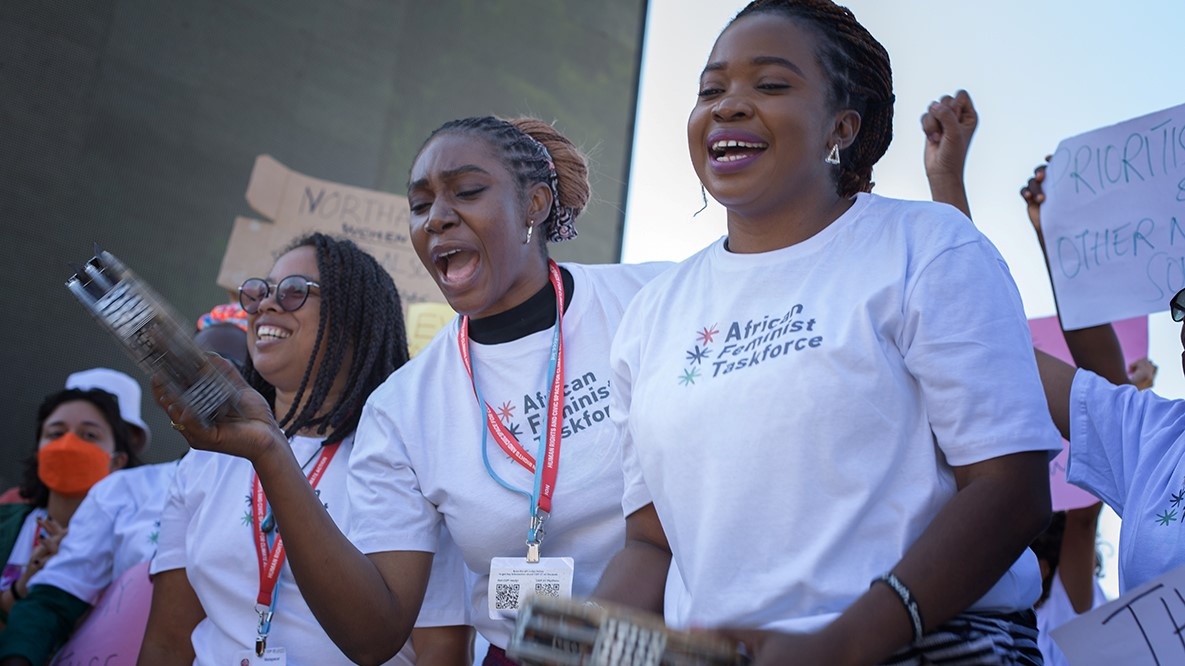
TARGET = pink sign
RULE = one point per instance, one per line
(1047, 336)
(112, 633)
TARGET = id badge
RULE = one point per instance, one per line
(513, 581)
(271, 657)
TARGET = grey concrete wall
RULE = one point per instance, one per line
(135, 123)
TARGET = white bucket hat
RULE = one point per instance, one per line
(123, 387)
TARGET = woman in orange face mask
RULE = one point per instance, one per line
(81, 438)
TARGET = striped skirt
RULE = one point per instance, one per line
(975, 639)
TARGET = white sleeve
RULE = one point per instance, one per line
(623, 359)
(446, 602)
(1114, 432)
(174, 520)
(388, 512)
(966, 341)
(84, 563)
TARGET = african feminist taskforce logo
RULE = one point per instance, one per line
(586, 403)
(720, 350)
(1175, 511)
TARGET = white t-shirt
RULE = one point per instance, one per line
(1127, 447)
(206, 529)
(115, 528)
(418, 458)
(1056, 611)
(794, 415)
(22, 548)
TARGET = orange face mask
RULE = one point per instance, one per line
(70, 465)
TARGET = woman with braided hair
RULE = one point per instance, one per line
(325, 328)
(847, 378)
(521, 376)
(507, 441)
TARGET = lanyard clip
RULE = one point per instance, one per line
(535, 536)
(269, 522)
(265, 625)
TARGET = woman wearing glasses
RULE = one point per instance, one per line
(315, 354)
(1127, 446)
(487, 196)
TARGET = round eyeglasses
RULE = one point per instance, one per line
(291, 293)
(1177, 306)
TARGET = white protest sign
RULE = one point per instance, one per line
(1141, 628)
(1114, 219)
(296, 204)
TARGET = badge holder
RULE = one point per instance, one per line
(515, 580)
(270, 657)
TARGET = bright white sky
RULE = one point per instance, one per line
(1038, 72)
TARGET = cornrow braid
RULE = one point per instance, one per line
(861, 79)
(535, 152)
(361, 314)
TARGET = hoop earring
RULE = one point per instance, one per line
(833, 157)
(703, 193)
(530, 230)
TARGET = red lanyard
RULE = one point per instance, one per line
(271, 558)
(545, 483)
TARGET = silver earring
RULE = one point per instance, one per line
(530, 230)
(833, 156)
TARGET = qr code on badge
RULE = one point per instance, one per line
(547, 590)
(506, 596)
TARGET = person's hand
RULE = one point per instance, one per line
(1142, 373)
(249, 431)
(48, 544)
(767, 648)
(949, 124)
(1034, 195)
(52, 534)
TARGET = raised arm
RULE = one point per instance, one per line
(1076, 563)
(1095, 348)
(367, 604)
(949, 124)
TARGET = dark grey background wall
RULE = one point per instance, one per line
(135, 123)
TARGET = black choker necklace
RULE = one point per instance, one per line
(535, 314)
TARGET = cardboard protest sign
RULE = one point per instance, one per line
(295, 204)
(1047, 336)
(424, 321)
(113, 631)
(1114, 219)
(1140, 628)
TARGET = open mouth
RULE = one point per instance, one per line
(267, 333)
(456, 265)
(731, 150)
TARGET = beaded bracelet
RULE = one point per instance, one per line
(907, 600)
